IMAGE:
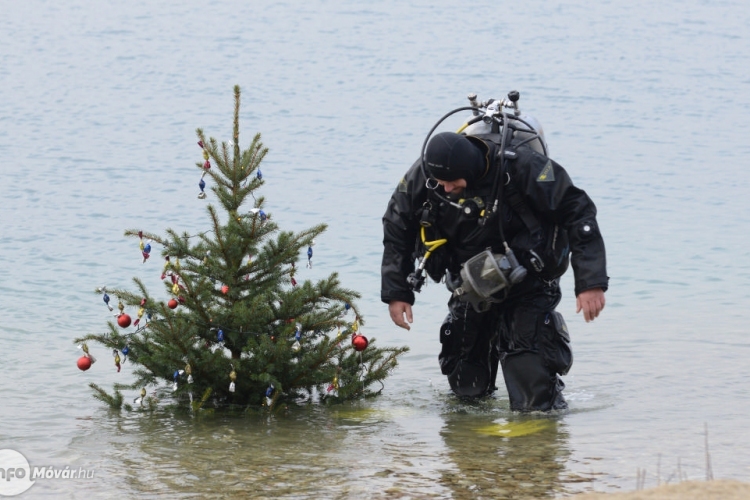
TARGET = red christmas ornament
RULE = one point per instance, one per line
(225, 289)
(84, 363)
(359, 342)
(172, 304)
(123, 320)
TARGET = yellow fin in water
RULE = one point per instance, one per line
(515, 429)
(373, 414)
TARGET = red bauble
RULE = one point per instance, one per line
(84, 363)
(123, 320)
(172, 304)
(359, 342)
(225, 289)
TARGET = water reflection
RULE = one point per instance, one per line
(511, 457)
(432, 446)
(218, 456)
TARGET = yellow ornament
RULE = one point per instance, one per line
(232, 377)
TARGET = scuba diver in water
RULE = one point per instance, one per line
(486, 210)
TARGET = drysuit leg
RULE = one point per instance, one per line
(531, 386)
(468, 356)
(534, 349)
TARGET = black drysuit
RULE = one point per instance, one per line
(545, 220)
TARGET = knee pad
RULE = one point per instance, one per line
(531, 384)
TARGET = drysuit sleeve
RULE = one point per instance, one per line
(400, 230)
(549, 191)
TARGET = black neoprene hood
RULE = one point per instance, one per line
(450, 156)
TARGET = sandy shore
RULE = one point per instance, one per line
(723, 489)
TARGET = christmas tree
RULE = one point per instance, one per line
(238, 329)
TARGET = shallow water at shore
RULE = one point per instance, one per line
(645, 104)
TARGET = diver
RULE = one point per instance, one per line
(487, 211)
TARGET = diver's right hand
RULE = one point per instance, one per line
(398, 310)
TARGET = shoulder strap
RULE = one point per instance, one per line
(522, 209)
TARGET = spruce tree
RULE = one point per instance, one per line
(237, 328)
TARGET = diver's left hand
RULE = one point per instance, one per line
(591, 302)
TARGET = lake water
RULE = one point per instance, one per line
(645, 103)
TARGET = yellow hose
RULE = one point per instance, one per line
(431, 245)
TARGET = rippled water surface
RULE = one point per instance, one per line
(645, 103)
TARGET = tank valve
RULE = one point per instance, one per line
(513, 97)
(473, 101)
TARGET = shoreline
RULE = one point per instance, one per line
(717, 489)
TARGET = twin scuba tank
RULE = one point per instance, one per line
(489, 117)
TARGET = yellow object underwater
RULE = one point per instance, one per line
(515, 429)
(373, 414)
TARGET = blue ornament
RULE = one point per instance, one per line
(147, 248)
(297, 335)
(269, 391)
(309, 252)
(176, 375)
(202, 185)
(220, 336)
(347, 306)
(106, 299)
(259, 175)
(126, 350)
(263, 216)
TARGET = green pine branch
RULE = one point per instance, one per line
(244, 331)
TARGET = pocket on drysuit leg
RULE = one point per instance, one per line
(532, 357)
(450, 340)
(555, 343)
